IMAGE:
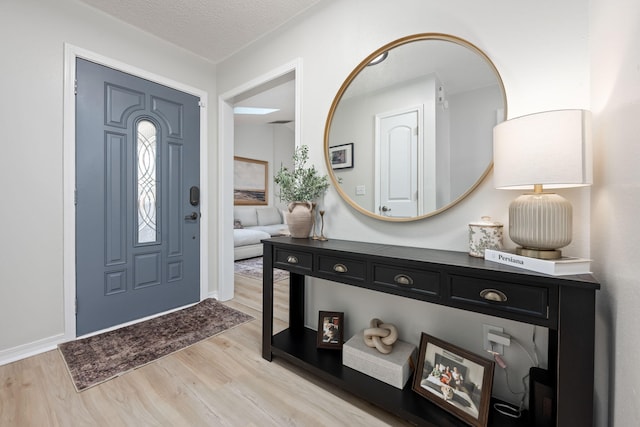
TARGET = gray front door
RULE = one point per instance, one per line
(137, 200)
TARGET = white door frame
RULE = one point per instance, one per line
(225, 166)
(72, 52)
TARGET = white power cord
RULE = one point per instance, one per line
(506, 409)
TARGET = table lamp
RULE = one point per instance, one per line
(542, 151)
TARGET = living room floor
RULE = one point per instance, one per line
(221, 381)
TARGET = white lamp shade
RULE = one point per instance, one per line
(552, 148)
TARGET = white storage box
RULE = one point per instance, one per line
(394, 368)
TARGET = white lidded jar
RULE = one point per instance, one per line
(484, 234)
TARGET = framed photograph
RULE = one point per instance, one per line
(454, 379)
(250, 181)
(341, 156)
(330, 330)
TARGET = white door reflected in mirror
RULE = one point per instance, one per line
(398, 162)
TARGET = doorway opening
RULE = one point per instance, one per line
(283, 134)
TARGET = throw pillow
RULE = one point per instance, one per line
(237, 224)
(268, 216)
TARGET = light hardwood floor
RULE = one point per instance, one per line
(221, 381)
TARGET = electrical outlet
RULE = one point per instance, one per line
(486, 344)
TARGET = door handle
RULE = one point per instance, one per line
(192, 217)
(385, 209)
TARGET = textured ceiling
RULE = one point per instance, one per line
(212, 29)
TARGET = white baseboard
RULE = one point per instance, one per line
(50, 343)
(30, 349)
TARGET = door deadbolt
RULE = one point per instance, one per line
(194, 196)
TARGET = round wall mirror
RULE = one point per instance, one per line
(410, 132)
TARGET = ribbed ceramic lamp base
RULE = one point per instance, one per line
(541, 223)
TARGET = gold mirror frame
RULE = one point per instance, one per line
(354, 74)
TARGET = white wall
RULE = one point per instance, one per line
(477, 109)
(615, 84)
(256, 142)
(33, 33)
(284, 146)
(541, 51)
(272, 143)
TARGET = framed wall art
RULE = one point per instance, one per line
(250, 181)
(330, 329)
(454, 379)
(341, 156)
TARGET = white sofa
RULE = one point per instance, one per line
(252, 224)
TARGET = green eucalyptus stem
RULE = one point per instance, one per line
(302, 183)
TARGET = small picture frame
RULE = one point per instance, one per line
(341, 156)
(454, 379)
(330, 330)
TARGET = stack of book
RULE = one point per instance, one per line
(556, 267)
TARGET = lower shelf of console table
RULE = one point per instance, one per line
(299, 348)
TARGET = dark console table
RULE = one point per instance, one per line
(565, 305)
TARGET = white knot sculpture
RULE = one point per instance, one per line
(380, 336)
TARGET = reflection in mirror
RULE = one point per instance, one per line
(420, 122)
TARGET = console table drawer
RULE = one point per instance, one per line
(292, 260)
(529, 300)
(407, 279)
(345, 268)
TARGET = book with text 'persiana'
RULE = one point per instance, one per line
(557, 267)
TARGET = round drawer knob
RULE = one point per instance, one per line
(493, 295)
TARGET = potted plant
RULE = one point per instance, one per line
(300, 186)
